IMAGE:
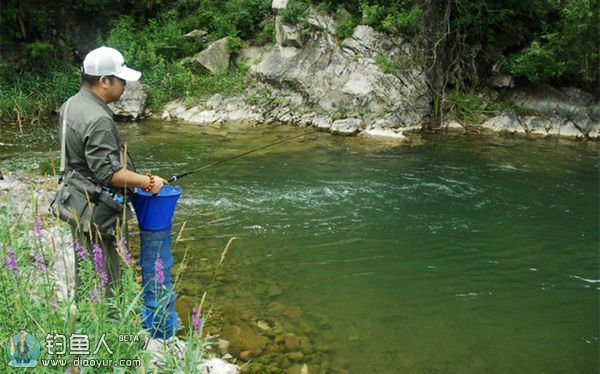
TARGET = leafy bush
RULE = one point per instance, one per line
(266, 35)
(241, 18)
(27, 98)
(155, 51)
(344, 23)
(388, 65)
(401, 16)
(466, 107)
(566, 50)
(294, 11)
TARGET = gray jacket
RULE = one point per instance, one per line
(93, 144)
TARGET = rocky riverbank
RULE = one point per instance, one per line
(311, 78)
(285, 340)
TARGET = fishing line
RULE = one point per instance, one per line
(175, 178)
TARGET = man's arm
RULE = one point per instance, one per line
(128, 178)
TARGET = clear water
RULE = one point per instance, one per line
(463, 254)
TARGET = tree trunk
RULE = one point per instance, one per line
(435, 23)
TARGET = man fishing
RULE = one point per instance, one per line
(93, 160)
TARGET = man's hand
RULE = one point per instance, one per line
(159, 183)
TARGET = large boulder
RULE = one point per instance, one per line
(288, 35)
(132, 104)
(215, 57)
(343, 78)
(504, 123)
(198, 37)
(575, 108)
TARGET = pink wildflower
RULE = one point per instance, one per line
(10, 260)
(39, 262)
(37, 227)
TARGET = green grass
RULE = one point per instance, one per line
(29, 298)
(29, 97)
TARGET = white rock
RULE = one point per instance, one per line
(322, 123)
(452, 124)
(348, 126)
(359, 84)
(384, 133)
(223, 345)
(505, 122)
(534, 125)
(594, 131)
(215, 57)
(160, 348)
(214, 101)
(132, 102)
(288, 35)
(175, 108)
(279, 4)
(217, 366)
(502, 80)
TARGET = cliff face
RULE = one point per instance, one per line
(342, 81)
(310, 78)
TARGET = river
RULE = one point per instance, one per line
(462, 253)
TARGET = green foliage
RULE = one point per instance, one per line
(406, 21)
(227, 83)
(340, 113)
(29, 297)
(155, 50)
(466, 107)
(548, 41)
(160, 40)
(294, 11)
(266, 35)
(235, 44)
(388, 65)
(566, 49)
(27, 99)
(29, 301)
(403, 16)
(264, 98)
(551, 41)
(536, 63)
(241, 18)
(39, 49)
(344, 23)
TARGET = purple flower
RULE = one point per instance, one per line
(39, 262)
(160, 272)
(54, 305)
(98, 265)
(93, 294)
(37, 227)
(125, 249)
(196, 320)
(79, 250)
(10, 260)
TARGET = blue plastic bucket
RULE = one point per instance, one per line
(155, 212)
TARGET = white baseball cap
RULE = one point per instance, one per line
(108, 61)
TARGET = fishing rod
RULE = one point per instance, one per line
(175, 178)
